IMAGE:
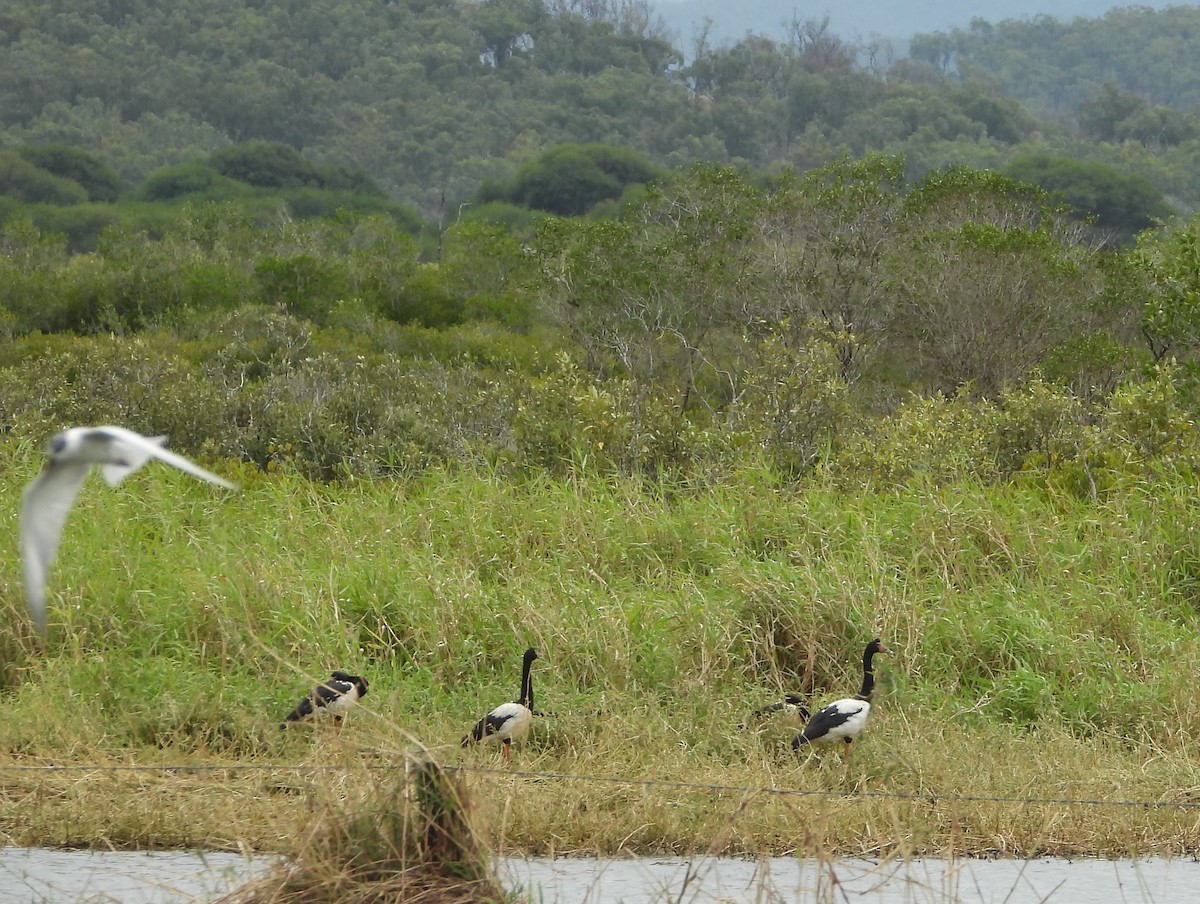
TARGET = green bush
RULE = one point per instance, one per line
(792, 406)
(62, 381)
(266, 165)
(28, 182)
(1038, 426)
(936, 439)
(195, 178)
(425, 300)
(97, 180)
(304, 284)
(570, 179)
(566, 419)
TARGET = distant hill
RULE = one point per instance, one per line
(854, 19)
(433, 100)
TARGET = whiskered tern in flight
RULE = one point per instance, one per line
(118, 452)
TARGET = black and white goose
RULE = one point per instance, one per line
(793, 707)
(336, 697)
(844, 720)
(508, 722)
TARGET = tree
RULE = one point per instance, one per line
(1100, 116)
(28, 182)
(505, 27)
(1170, 257)
(1122, 203)
(82, 168)
(265, 164)
(173, 182)
(570, 179)
(991, 277)
(827, 242)
(662, 295)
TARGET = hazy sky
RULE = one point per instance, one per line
(853, 19)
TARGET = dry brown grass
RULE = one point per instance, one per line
(402, 837)
(645, 782)
(910, 789)
(638, 783)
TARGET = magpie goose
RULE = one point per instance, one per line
(335, 697)
(508, 722)
(49, 496)
(793, 706)
(844, 720)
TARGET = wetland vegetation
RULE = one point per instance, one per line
(695, 448)
(1044, 651)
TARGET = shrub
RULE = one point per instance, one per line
(97, 180)
(265, 164)
(304, 284)
(25, 181)
(567, 419)
(939, 439)
(425, 300)
(1038, 425)
(791, 406)
(172, 182)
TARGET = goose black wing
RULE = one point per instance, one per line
(494, 722)
(321, 695)
(832, 717)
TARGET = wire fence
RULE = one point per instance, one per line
(934, 798)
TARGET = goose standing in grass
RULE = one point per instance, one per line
(844, 720)
(793, 706)
(336, 697)
(48, 498)
(508, 722)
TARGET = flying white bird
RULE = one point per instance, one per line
(48, 498)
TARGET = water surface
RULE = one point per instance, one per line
(41, 876)
(44, 876)
(783, 880)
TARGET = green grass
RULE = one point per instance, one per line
(1045, 647)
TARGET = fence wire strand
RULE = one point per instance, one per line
(929, 797)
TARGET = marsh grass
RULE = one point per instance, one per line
(403, 837)
(1045, 649)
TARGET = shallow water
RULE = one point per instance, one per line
(39, 876)
(42, 876)
(784, 880)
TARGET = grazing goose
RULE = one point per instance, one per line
(844, 720)
(508, 722)
(793, 706)
(48, 498)
(335, 697)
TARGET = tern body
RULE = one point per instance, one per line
(117, 452)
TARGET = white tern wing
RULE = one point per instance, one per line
(47, 500)
(132, 450)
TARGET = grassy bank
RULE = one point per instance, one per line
(1045, 651)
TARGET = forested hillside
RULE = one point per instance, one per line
(514, 329)
(1056, 66)
(730, 22)
(431, 100)
(613, 259)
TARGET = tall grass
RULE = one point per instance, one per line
(1046, 647)
(406, 839)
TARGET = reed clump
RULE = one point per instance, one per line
(403, 840)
